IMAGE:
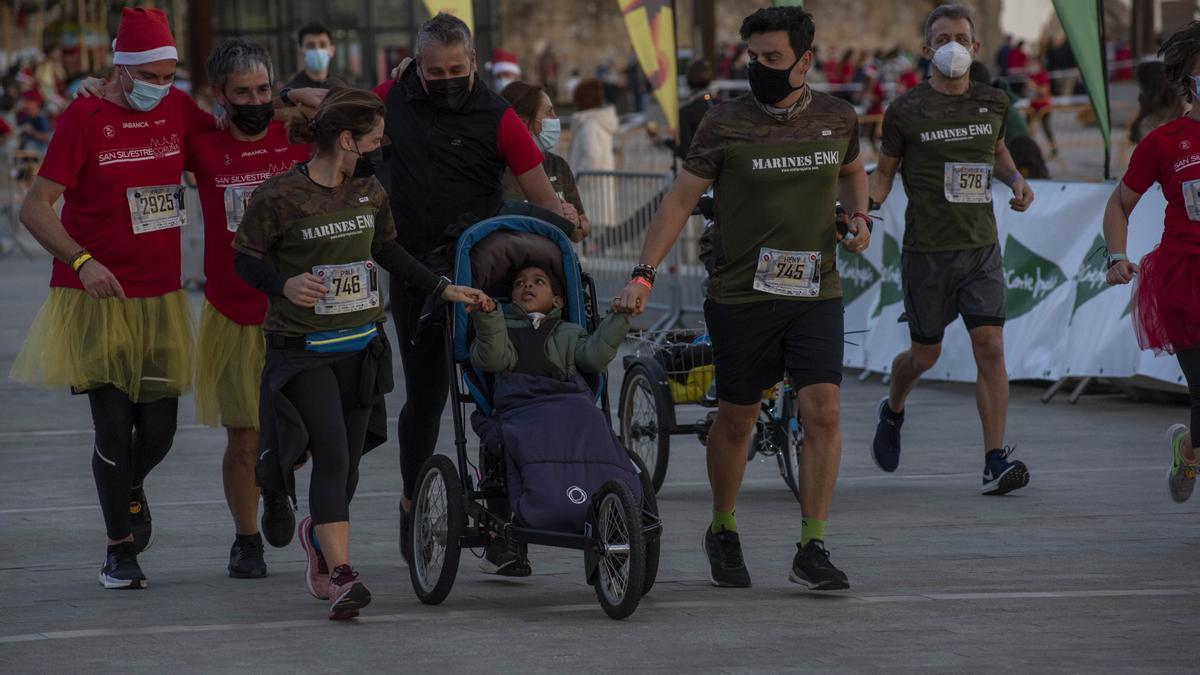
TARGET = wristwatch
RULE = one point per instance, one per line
(1114, 258)
(283, 96)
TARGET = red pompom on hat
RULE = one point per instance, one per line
(144, 37)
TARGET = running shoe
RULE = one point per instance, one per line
(727, 568)
(347, 594)
(278, 519)
(246, 557)
(1181, 477)
(503, 558)
(139, 520)
(316, 572)
(121, 568)
(812, 568)
(885, 449)
(1000, 476)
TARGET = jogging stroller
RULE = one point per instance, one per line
(458, 505)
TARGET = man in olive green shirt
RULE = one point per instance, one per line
(946, 138)
(780, 157)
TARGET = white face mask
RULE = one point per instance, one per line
(952, 60)
(1196, 87)
(551, 130)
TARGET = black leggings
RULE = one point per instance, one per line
(426, 384)
(131, 439)
(328, 402)
(1189, 361)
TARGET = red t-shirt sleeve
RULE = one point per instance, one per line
(1143, 165)
(5, 129)
(198, 121)
(69, 147)
(381, 90)
(516, 145)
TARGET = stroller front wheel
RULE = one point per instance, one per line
(622, 553)
(439, 515)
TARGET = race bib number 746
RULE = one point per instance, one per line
(348, 288)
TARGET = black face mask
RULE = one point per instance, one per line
(449, 94)
(367, 161)
(770, 85)
(252, 118)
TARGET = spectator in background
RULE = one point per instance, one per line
(1014, 122)
(699, 76)
(845, 75)
(5, 131)
(1002, 55)
(592, 129)
(504, 68)
(534, 108)
(1027, 156)
(33, 123)
(316, 51)
(1039, 102)
(1123, 55)
(636, 84)
(1018, 61)
(73, 64)
(572, 82)
(547, 66)
(1158, 100)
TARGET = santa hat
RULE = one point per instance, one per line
(504, 62)
(144, 37)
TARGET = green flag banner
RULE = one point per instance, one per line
(1081, 21)
(788, 3)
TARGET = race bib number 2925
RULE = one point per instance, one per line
(157, 207)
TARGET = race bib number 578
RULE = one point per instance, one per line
(968, 183)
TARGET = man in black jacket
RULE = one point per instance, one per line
(452, 139)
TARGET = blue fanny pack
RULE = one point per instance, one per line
(344, 340)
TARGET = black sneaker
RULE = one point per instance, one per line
(246, 557)
(885, 449)
(278, 519)
(121, 568)
(811, 567)
(139, 520)
(726, 566)
(504, 559)
(1001, 476)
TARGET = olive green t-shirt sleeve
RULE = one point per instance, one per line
(570, 189)
(707, 152)
(385, 225)
(892, 143)
(259, 230)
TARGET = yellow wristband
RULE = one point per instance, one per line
(79, 261)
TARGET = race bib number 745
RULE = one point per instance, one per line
(790, 273)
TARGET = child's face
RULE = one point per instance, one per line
(532, 291)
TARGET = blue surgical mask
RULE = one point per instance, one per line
(551, 130)
(1196, 87)
(145, 96)
(317, 60)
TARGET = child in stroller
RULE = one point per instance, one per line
(558, 447)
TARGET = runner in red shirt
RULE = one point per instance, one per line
(229, 165)
(116, 324)
(1166, 297)
(1040, 102)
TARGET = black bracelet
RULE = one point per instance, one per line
(283, 96)
(647, 272)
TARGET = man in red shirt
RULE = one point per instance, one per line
(229, 165)
(116, 324)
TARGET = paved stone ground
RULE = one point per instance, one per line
(1091, 568)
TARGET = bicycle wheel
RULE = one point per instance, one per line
(789, 456)
(643, 412)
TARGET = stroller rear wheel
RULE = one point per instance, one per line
(438, 517)
(649, 512)
(644, 416)
(622, 554)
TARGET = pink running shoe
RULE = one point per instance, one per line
(347, 594)
(316, 572)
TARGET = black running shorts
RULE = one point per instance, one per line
(754, 342)
(940, 286)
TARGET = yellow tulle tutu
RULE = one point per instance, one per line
(229, 367)
(142, 346)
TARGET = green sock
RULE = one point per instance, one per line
(811, 528)
(723, 520)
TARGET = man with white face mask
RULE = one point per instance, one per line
(946, 138)
(316, 50)
(116, 325)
